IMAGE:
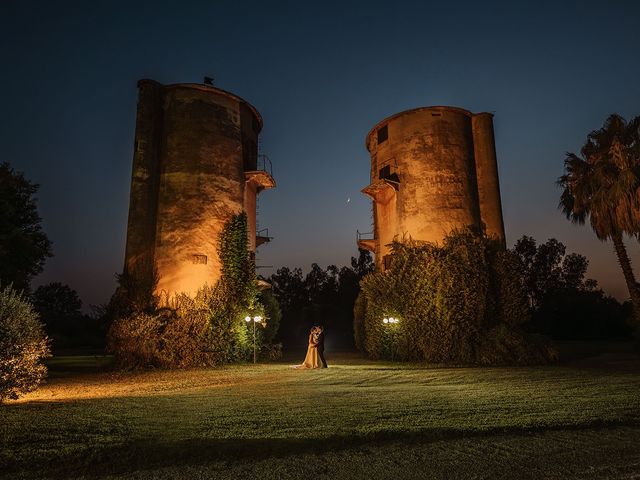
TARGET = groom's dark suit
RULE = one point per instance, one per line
(320, 348)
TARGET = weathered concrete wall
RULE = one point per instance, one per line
(207, 141)
(250, 200)
(249, 130)
(145, 177)
(487, 173)
(202, 185)
(424, 176)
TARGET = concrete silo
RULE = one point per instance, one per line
(433, 169)
(195, 165)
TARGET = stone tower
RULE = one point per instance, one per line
(195, 165)
(433, 169)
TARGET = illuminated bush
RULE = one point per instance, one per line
(190, 332)
(359, 313)
(272, 313)
(23, 346)
(206, 330)
(459, 302)
(135, 340)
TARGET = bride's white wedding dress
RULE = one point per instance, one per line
(312, 360)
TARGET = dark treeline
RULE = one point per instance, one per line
(323, 296)
(564, 303)
(60, 310)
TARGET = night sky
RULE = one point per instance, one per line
(321, 75)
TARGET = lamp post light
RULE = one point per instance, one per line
(256, 319)
(390, 322)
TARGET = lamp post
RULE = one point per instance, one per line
(256, 319)
(390, 322)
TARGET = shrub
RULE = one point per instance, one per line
(134, 340)
(272, 314)
(271, 351)
(450, 300)
(136, 290)
(503, 345)
(23, 346)
(229, 338)
(359, 312)
(581, 315)
(203, 331)
(189, 332)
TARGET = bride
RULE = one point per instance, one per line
(312, 360)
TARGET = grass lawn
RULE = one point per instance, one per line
(357, 419)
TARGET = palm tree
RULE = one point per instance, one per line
(603, 185)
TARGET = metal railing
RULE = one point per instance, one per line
(364, 235)
(264, 164)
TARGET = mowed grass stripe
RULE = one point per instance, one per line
(119, 419)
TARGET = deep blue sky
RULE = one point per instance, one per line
(321, 74)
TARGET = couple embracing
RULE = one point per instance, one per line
(315, 351)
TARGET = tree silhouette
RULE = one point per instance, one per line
(602, 185)
(24, 247)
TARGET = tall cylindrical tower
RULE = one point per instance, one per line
(425, 181)
(195, 166)
(487, 173)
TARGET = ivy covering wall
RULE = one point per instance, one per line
(208, 329)
(460, 302)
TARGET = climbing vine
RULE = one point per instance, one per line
(208, 329)
(459, 302)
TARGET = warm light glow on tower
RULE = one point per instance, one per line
(195, 166)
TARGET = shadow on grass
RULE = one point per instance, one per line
(155, 453)
(62, 366)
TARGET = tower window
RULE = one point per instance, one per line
(200, 259)
(383, 134)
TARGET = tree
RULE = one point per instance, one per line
(546, 269)
(324, 296)
(364, 264)
(289, 288)
(57, 304)
(564, 303)
(602, 184)
(23, 346)
(321, 285)
(572, 314)
(24, 247)
(59, 308)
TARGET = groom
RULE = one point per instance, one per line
(320, 346)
